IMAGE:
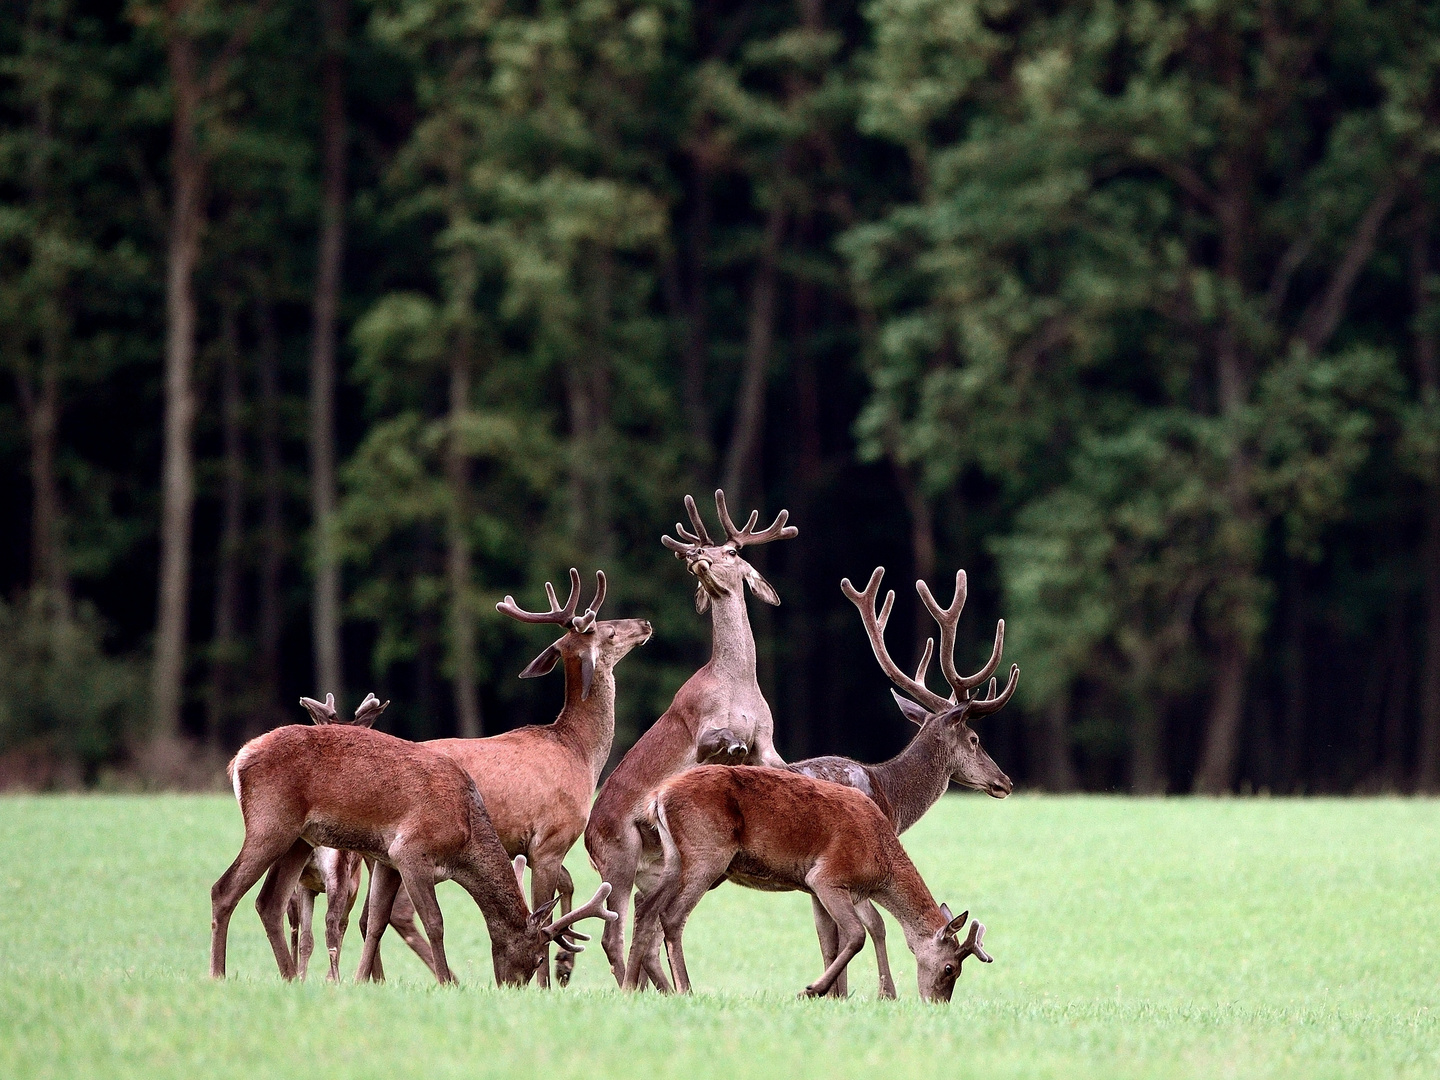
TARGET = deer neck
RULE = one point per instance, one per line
(914, 779)
(908, 898)
(588, 724)
(732, 651)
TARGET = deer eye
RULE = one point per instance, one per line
(949, 969)
(974, 740)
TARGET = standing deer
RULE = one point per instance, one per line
(537, 781)
(337, 874)
(944, 749)
(773, 829)
(415, 812)
(718, 715)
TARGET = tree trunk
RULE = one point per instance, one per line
(272, 541)
(1148, 774)
(325, 614)
(42, 417)
(587, 385)
(1428, 378)
(1397, 697)
(922, 545)
(1222, 728)
(225, 644)
(457, 541)
(693, 373)
(750, 405)
(1295, 682)
(178, 480)
(1057, 769)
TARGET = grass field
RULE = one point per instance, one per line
(1132, 938)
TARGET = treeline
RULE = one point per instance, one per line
(325, 325)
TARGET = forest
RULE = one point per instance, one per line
(324, 326)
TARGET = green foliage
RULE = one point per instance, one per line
(61, 693)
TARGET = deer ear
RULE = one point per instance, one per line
(587, 671)
(519, 867)
(955, 925)
(916, 714)
(760, 587)
(702, 600)
(542, 664)
(540, 915)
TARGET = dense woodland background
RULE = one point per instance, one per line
(324, 325)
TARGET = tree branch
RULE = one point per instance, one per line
(1323, 316)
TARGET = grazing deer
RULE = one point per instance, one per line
(944, 749)
(773, 829)
(337, 874)
(719, 715)
(415, 812)
(537, 781)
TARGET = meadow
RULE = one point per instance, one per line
(1132, 938)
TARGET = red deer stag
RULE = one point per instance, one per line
(537, 781)
(944, 749)
(773, 829)
(413, 811)
(718, 715)
(337, 874)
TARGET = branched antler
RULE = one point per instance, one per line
(972, 946)
(747, 536)
(949, 619)
(321, 713)
(560, 930)
(370, 710)
(875, 628)
(556, 614)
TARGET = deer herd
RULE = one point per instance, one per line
(702, 798)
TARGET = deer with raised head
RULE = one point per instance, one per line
(777, 830)
(336, 874)
(719, 715)
(415, 812)
(537, 781)
(944, 749)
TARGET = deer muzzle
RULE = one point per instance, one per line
(701, 569)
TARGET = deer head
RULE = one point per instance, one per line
(324, 712)
(598, 646)
(519, 956)
(938, 956)
(718, 567)
(948, 718)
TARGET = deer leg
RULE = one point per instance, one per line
(292, 912)
(564, 958)
(420, 884)
(618, 869)
(829, 935)
(841, 908)
(257, 854)
(302, 906)
(402, 918)
(644, 961)
(339, 900)
(542, 888)
(875, 927)
(280, 884)
(384, 883)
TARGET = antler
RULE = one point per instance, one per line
(949, 618)
(987, 705)
(560, 931)
(875, 628)
(747, 536)
(321, 713)
(972, 946)
(556, 614)
(581, 624)
(370, 710)
(694, 537)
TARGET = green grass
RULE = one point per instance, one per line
(1131, 938)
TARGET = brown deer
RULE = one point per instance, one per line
(415, 812)
(944, 749)
(719, 715)
(537, 781)
(337, 874)
(773, 829)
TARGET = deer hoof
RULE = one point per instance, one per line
(564, 967)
